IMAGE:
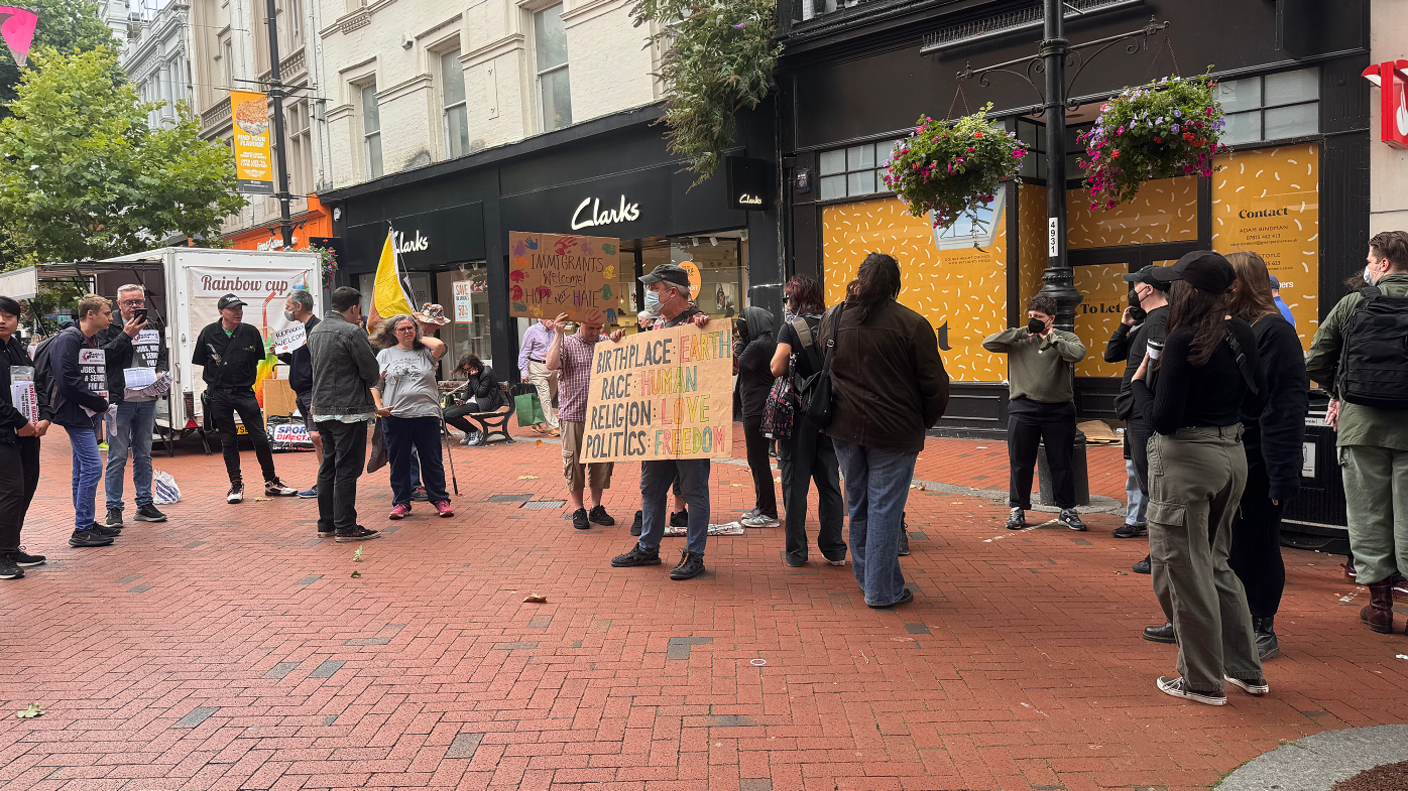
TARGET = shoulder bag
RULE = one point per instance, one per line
(817, 399)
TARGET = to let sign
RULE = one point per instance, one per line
(666, 394)
(464, 301)
(551, 274)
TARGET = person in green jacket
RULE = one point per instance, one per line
(1041, 407)
(1372, 442)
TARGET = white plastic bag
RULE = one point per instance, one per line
(164, 489)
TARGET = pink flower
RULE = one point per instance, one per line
(1018, 153)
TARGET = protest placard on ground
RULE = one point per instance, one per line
(551, 274)
(666, 394)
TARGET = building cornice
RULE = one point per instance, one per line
(494, 49)
(404, 88)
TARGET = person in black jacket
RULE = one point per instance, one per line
(131, 341)
(1208, 372)
(19, 444)
(299, 307)
(484, 395)
(229, 352)
(76, 373)
(1273, 440)
(756, 342)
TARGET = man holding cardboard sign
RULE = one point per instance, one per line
(665, 398)
(571, 358)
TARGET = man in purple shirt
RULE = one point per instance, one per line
(531, 364)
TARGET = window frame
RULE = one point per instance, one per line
(380, 165)
(878, 168)
(539, 74)
(1262, 107)
(463, 104)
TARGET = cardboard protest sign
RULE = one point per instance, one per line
(551, 274)
(294, 336)
(666, 394)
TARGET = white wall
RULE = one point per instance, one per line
(1388, 166)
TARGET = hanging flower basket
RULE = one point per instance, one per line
(952, 167)
(327, 264)
(1161, 130)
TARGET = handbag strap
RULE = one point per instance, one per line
(804, 334)
(831, 342)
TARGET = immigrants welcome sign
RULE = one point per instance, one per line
(551, 274)
(666, 394)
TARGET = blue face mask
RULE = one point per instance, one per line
(652, 302)
(1368, 276)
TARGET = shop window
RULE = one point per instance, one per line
(1271, 107)
(554, 88)
(452, 96)
(371, 130)
(1033, 135)
(857, 170)
(300, 149)
(471, 338)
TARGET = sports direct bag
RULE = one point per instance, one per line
(1374, 365)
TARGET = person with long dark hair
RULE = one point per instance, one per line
(1272, 439)
(808, 455)
(890, 388)
(1207, 372)
(19, 444)
(484, 393)
(752, 361)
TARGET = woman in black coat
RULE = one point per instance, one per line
(484, 393)
(754, 347)
(19, 444)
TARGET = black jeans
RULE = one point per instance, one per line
(19, 477)
(223, 406)
(1137, 432)
(344, 456)
(1256, 539)
(760, 464)
(454, 415)
(807, 456)
(403, 434)
(1030, 423)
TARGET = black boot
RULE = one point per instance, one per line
(1266, 646)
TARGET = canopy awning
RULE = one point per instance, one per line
(21, 283)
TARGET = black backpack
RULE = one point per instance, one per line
(43, 371)
(1374, 364)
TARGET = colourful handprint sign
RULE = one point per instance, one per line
(565, 244)
(606, 291)
(609, 272)
(516, 293)
(608, 249)
(520, 249)
(543, 293)
(551, 274)
(517, 275)
(531, 243)
(586, 248)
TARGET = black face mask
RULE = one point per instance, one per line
(1135, 312)
(1035, 326)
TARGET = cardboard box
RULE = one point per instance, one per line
(279, 399)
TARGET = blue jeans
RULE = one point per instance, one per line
(423, 435)
(877, 488)
(655, 480)
(1136, 504)
(133, 435)
(87, 471)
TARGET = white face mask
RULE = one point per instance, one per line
(652, 301)
(1369, 276)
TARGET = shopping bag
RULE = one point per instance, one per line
(379, 456)
(530, 410)
(164, 489)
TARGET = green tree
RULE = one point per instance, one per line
(83, 176)
(65, 25)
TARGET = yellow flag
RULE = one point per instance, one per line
(389, 296)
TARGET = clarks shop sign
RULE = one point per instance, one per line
(589, 213)
(748, 182)
(427, 239)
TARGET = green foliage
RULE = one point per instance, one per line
(718, 59)
(1161, 130)
(65, 25)
(949, 168)
(84, 177)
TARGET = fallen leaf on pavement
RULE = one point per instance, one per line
(527, 477)
(356, 575)
(535, 598)
(357, 558)
(30, 713)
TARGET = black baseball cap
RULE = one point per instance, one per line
(1146, 276)
(230, 301)
(1202, 269)
(668, 273)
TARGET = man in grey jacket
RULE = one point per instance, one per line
(344, 368)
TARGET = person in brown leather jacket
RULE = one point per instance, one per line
(889, 387)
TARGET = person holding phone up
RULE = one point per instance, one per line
(1041, 407)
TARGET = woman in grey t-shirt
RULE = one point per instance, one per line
(408, 403)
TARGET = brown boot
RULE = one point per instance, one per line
(1378, 615)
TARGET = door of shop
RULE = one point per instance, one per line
(1098, 278)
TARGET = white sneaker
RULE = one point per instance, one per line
(759, 520)
(276, 488)
(1248, 687)
(236, 494)
(1177, 687)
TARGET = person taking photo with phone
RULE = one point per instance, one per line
(136, 349)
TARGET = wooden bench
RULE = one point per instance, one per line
(493, 426)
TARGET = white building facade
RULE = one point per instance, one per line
(155, 57)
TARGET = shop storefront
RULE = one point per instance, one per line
(311, 222)
(610, 177)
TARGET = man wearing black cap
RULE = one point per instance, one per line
(671, 285)
(1148, 297)
(229, 353)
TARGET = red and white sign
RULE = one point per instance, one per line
(1391, 77)
(464, 301)
(295, 433)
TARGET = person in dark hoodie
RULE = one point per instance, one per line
(299, 307)
(19, 444)
(78, 378)
(1273, 439)
(131, 341)
(754, 346)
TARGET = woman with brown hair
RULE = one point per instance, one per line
(1272, 439)
(1206, 372)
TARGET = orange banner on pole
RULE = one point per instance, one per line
(254, 169)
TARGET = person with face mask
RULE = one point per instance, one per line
(1360, 354)
(299, 307)
(1143, 322)
(1040, 372)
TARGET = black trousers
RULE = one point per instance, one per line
(1137, 432)
(344, 456)
(760, 464)
(1030, 423)
(1256, 539)
(19, 477)
(224, 404)
(807, 456)
(454, 415)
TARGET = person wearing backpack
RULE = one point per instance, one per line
(76, 373)
(807, 454)
(1360, 354)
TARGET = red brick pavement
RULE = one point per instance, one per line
(231, 649)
